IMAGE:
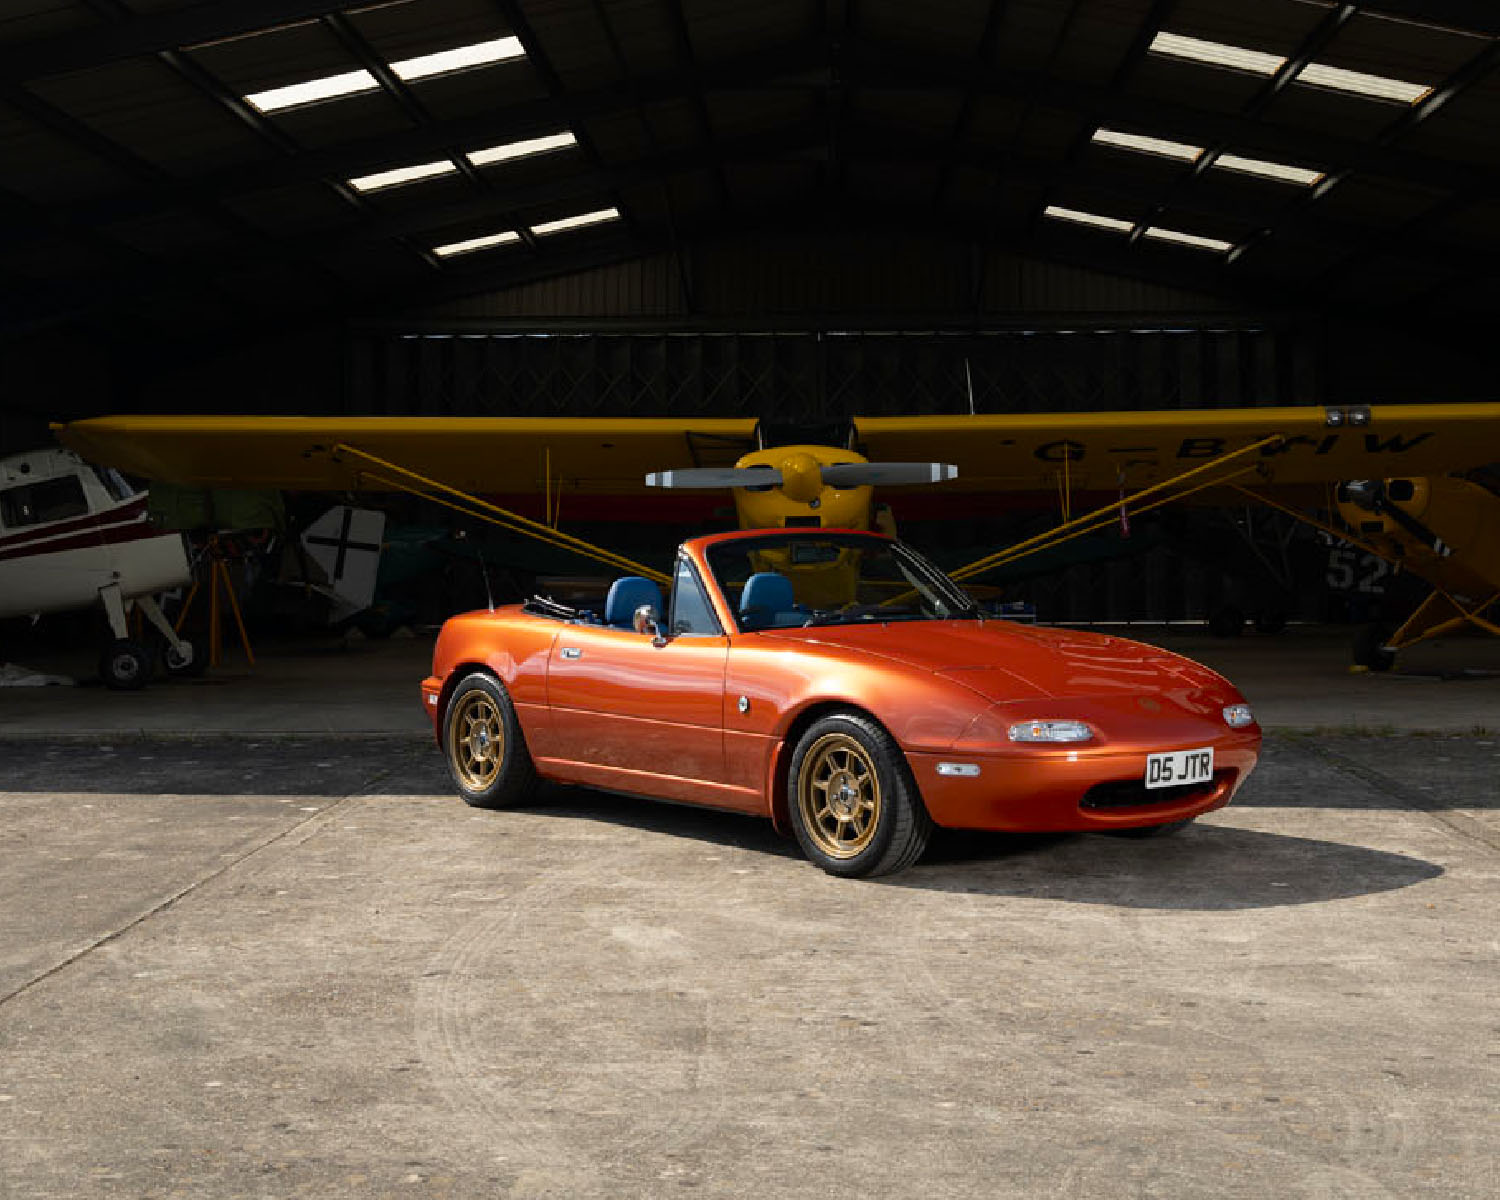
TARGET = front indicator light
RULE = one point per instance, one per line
(1237, 716)
(1050, 731)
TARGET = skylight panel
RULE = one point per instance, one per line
(326, 87)
(1187, 239)
(1077, 216)
(1217, 54)
(504, 238)
(1379, 86)
(588, 218)
(510, 150)
(460, 58)
(1148, 145)
(400, 175)
(1282, 172)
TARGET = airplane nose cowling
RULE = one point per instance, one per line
(801, 478)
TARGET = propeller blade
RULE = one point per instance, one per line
(714, 477)
(887, 474)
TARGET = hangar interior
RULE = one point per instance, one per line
(788, 210)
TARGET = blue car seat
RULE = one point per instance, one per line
(768, 601)
(625, 596)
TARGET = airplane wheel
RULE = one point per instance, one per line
(188, 665)
(125, 666)
(1370, 649)
(1226, 622)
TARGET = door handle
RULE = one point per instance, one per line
(572, 652)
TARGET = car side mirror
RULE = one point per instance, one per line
(645, 619)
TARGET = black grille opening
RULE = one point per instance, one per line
(1133, 793)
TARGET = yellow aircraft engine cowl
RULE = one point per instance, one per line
(802, 498)
(1443, 528)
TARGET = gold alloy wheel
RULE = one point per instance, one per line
(838, 794)
(476, 740)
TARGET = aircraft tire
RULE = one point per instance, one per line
(1226, 621)
(183, 668)
(125, 666)
(1370, 650)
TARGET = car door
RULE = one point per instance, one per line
(640, 712)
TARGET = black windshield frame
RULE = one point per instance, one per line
(926, 581)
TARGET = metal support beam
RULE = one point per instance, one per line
(152, 33)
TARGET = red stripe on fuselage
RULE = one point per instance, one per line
(107, 535)
(133, 509)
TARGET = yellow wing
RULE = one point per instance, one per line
(1009, 452)
(475, 454)
(1028, 452)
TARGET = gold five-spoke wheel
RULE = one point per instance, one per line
(476, 740)
(838, 792)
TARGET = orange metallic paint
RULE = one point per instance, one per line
(709, 720)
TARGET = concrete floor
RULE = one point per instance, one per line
(251, 945)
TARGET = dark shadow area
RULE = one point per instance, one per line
(1205, 868)
(1407, 772)
(207, 766)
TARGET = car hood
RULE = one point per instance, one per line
(1001, 660)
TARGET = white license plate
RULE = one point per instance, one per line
(1173, 768)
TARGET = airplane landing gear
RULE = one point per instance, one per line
(125, 666)
(182, 661)
(1370, 649)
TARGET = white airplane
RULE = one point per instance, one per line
(73, 535)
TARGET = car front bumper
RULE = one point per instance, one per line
(1055, 789)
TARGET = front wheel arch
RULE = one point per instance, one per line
(857, 811)
(781, 757)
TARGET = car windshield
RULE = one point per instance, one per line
(801, 578)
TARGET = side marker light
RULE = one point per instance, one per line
(967, 770)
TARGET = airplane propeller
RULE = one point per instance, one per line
(1373, 496)
(837, 475)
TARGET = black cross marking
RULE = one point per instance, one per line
(344, 544)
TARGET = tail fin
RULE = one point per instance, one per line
(345, 544)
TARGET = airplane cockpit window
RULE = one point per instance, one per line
(38, 503)
(691, 613)
(114, 483)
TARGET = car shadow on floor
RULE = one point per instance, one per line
(1205, 868)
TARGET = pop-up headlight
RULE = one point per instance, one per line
(1050, 731)
(1237, 716)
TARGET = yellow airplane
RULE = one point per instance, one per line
(1444, 528)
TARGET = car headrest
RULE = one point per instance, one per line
(628, 594)
(768, 592)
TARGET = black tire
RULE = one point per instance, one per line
(1170, 829)
(877, 800)
(125, 666)
(483, 745)
(188, 666)
(1226, 621)
(1370, 649)
(1270, 623)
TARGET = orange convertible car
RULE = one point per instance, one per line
(840, 684)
